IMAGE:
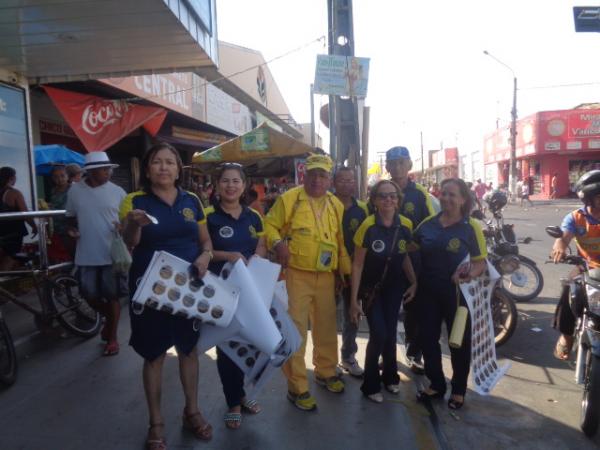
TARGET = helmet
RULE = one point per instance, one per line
(496, 201)
(588, 185)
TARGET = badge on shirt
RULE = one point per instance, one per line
(252, 230)
(453, 245)
(226, 232)
(402, 246)
(409, 208)
(188, 214)
(353, 224)
(378, 246)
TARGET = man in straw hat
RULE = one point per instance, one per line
(93, 205)
(304, 229)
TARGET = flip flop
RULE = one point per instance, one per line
(233, 420)
(251, 406)
(111, 349)
(562, 350)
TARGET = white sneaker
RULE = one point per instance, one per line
(353, 368)
(377, 398)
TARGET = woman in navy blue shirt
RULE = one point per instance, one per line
(383, 236)
(181, 231)
(236, 232)
(445, 240)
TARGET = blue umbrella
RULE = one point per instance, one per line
(47, 156)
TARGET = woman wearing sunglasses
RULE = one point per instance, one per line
(382, 276)
(237, 233)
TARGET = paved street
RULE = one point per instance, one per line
(69, 397)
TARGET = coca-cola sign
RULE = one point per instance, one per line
(102, 114)
(100, 122)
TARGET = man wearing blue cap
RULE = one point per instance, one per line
(416, 206)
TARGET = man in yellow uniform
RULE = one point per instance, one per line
(304, 229)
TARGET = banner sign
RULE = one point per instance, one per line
(256, 140)
(100, 122)
(341, 75)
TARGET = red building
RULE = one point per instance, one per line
(563, 142)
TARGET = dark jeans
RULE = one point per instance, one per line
(382, 318)
(435, 307)
(564, 320)
(349, 329)
(232, 379)
(411, 329)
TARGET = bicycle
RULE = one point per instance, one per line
(58, 294)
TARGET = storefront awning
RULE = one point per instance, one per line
(78, 40)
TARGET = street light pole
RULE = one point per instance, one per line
(513, 129)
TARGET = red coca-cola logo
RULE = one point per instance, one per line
(99, 115)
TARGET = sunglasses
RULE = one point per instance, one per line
(384, 195)
(230, 164)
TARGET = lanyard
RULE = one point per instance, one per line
(318, 215)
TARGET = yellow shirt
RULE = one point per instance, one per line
(309, 224)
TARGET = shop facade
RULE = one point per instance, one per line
(564, 143)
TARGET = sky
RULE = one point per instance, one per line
(428, 72)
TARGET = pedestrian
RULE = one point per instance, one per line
(93, 211)
(236, 232)
(355, 211)
(62, 246)
(74, 173)
(383, 275)
(304, 229)
(13, 231)
(181, 230)
(435, 190)
(554, 186)
(444, 241)
(416, 206)
(525, 193)
(254, 202)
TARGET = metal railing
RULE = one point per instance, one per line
(43, 217)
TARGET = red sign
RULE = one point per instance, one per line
(300, 170)
(99, 122)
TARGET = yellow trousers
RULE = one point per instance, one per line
(311, 296)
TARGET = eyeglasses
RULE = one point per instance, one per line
(230, 164)
(384, 195)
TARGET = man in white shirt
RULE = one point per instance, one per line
(94, 204)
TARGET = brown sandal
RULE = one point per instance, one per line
(156, 444)
(202, 430)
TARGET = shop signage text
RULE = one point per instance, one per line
(341, 75)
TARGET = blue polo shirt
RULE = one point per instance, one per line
(443, 249)
(351, 220)
(177, 231)
(229, 234)
(377, 239)
(416, 204)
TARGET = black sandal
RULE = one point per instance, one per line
(455, 404)
(423, 396)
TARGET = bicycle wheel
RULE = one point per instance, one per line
(525, 283)
(504, 316)
(73, 312)
(8, 356)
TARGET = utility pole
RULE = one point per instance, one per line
(312, 117)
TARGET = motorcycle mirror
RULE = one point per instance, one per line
(554, 231)
(478, 214)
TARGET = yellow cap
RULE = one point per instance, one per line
(319, 162)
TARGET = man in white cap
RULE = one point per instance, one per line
(93, 205)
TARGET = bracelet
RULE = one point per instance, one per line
(210, 254)
(276, 243)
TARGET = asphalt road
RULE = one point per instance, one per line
(69, 397)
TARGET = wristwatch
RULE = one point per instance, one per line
(210, 253)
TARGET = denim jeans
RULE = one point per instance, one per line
(349, 329)
(232, 379)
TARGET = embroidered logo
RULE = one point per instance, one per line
(453, 245)
(188, 214)
(402, 246)
(378, 246)
(226, 232)
(409, 208)
(252, 230)
(353, 224)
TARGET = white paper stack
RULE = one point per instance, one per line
(167, 286)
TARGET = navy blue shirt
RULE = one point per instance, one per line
(353, 217)
(177, 231)
(377, 239)
(443, 249)
(416, 204)
(229, 234)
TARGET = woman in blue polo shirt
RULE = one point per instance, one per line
(382, 240)
(236, 232)
(181, 230)
(445, 240)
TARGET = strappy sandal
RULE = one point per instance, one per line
(562, 350)
(233, 420)
(250, 406)
(111, 349)
(424, 396)
(202, 430)
(455, 404)
(156, 444)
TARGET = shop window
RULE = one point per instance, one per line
(577, 167)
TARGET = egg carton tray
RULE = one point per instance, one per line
(168, 286)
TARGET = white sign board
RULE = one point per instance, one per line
(341, 75)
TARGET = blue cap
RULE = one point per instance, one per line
(397, 153)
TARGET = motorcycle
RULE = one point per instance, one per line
(584, 300)
(524, 281)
